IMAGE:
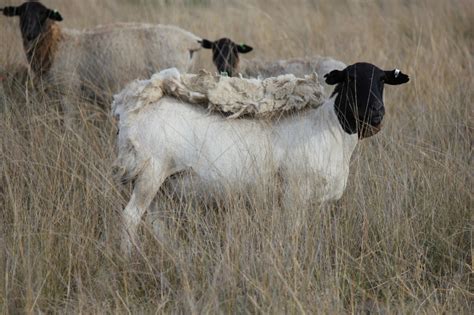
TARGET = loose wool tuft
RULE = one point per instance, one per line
(236, 97)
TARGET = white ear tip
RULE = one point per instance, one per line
(396, 72)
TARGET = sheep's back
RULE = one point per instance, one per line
(296, 66)
(104, 59)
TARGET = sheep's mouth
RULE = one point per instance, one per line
(366, 130)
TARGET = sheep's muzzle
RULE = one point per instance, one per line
(367, 130)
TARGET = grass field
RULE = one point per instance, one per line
(399, 240)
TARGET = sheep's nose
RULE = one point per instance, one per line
(376, 120)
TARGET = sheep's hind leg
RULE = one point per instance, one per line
(69, 115)
(68, 90)
(146, 187)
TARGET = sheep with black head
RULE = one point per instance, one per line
(95, 63)
(226, 58)
(161, 136)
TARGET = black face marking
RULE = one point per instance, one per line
(33, 16)
(359, 96)
(225, 54)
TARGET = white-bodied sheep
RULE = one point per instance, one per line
(100, 61)
(160, 136)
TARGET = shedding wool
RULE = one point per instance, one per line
(235, 97)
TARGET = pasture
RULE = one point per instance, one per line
(398, 241)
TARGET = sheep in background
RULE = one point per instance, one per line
(298, 66)
(225, 56)
(98, 62)
(309, 151)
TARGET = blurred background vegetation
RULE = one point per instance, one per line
(399, 241)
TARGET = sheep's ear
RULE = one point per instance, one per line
(206, 43)
(335, 77)
(55, 15)
(243, 49)
(395, 77)
(12, 11)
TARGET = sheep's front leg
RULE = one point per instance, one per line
(146, 187)
(67, 89)
(299, 191)
(69, 111)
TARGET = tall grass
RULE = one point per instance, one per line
(399, 240)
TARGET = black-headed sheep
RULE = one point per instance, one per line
(98, 62)
(160, 136)
(225, 56)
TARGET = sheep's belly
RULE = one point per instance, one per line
(215, 181)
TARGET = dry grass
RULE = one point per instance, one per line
(399, 241)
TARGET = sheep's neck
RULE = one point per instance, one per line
(343, 110)
(40, 52)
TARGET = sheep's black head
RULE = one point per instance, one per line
(225, 54)
(33, 16)
(359, 96)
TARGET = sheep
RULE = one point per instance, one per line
(98, 62)
(225, 56)
(160, 136)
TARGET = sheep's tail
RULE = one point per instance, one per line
(130, 100)
(127, 167)
(141, 93)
